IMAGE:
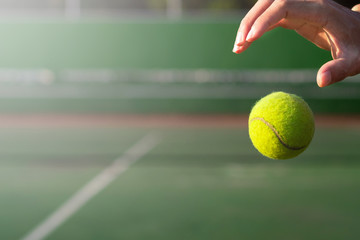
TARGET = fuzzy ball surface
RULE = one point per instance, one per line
(281, 125)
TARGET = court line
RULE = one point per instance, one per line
(94, 186)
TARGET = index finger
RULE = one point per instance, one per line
(249, 19)
(315, 13)
(271, 16)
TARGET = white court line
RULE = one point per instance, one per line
(97, 184)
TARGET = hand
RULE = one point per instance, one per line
(325, 23)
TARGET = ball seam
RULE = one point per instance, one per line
(277, 134)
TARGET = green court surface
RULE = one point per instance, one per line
(87, 179)
(196, 183)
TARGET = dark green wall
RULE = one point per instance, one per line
(151, 44)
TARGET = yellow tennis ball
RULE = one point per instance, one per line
(281, 125)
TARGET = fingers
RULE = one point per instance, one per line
(244, 28)
(265, 15)
(249, 20)
(272, 16)
(240, 49)
(321, 22)
(268, 14)
(333, 71)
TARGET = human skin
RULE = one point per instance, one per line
(325, 23)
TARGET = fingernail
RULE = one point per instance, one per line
(234, 49)
(237, 49)
(239, 38)
(250, 34)
(326, 79)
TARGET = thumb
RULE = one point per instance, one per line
(333, 71)
(356, 8)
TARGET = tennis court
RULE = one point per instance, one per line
(192, 180)
(135, 128)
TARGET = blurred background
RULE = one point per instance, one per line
(83, 81)
(151, 56)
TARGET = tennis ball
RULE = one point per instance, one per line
(281, 125)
